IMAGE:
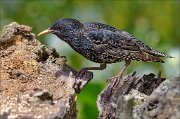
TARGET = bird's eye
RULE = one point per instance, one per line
(59, 27)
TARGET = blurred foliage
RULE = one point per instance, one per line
(157, 23)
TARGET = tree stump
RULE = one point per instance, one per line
(35, 80)
(146, 97)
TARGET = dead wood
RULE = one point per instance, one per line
(134, 97)
(35, 81)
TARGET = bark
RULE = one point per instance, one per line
(35, 81)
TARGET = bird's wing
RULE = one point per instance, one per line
(125, 35)
(128, 41)
(112, 40)
(121, 45)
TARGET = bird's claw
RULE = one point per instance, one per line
(114, 78)
(81, 73)
(114, 81)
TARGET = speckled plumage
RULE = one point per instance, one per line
(103, 43)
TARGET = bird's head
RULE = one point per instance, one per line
(62, 26)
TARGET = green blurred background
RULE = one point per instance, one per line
(157, 23)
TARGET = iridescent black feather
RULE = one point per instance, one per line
(103, 43)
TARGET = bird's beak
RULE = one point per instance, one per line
(47, 31)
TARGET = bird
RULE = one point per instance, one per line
(103, 44)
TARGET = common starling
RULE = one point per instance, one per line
(102, 43)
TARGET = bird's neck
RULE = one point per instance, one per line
(67, 37)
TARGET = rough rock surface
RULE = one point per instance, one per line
(35, 81)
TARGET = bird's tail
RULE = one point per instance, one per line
(151, 58)
(144, 56)
(158, 53)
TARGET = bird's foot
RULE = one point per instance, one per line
(114, 78)
(114, 81)
(81, 73)
(119, 76)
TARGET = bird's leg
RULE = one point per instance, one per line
(83, 70)
(122, 71)
(124, 68)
